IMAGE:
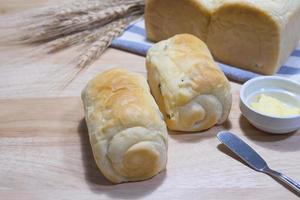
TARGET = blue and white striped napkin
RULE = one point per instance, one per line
(134, 40)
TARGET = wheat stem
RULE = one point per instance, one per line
(102, 31)
(65, 42)
(57, 28)
(94, 24)
(100, 45)
(93, 6)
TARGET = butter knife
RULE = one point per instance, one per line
(255, 161)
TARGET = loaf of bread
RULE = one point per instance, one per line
(251, 34)
(126, 129)
(190, 89)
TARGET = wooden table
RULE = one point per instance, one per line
(45, 152)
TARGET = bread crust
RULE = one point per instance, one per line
(255, 35)
(127, 133)
(190, 89)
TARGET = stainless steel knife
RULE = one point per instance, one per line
(251, 157)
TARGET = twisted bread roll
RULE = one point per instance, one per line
(126, 130)
(190, 89)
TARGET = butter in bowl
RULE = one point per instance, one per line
(271, 104)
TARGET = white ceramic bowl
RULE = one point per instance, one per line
(280, 88)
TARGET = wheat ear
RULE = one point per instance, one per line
(86, 37)
(100, 45)
(46, 32)
(90, 6)
(66, 41)
(97, 48)
(100, 32)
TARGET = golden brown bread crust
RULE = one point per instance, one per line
(127, 133)
(250, 40)
(251, 34)
(190, 89)
(190, 16)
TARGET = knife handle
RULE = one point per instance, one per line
(293, 184)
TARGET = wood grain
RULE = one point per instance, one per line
(45, 76)
(45, 154)
(13, 6)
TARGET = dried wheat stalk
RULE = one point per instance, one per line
(92, 6)
(99, 46)
(100, 41)
(90, 23)
(58, 28)
(65, 42)
(85, 37)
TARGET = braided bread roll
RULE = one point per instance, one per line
(190, 89)
(126, 130)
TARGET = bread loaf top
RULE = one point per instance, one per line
(251, 34)
(182, 76)
(122, 100)
(195, 72)
(126, 130)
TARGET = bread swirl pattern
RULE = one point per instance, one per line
(190, 89)
(127, 133)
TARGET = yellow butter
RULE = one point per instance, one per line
(273, 107)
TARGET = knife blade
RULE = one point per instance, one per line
(243, 150)
(251, 157)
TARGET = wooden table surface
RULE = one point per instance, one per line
(45, 152)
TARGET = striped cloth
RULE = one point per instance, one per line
(134, 40)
